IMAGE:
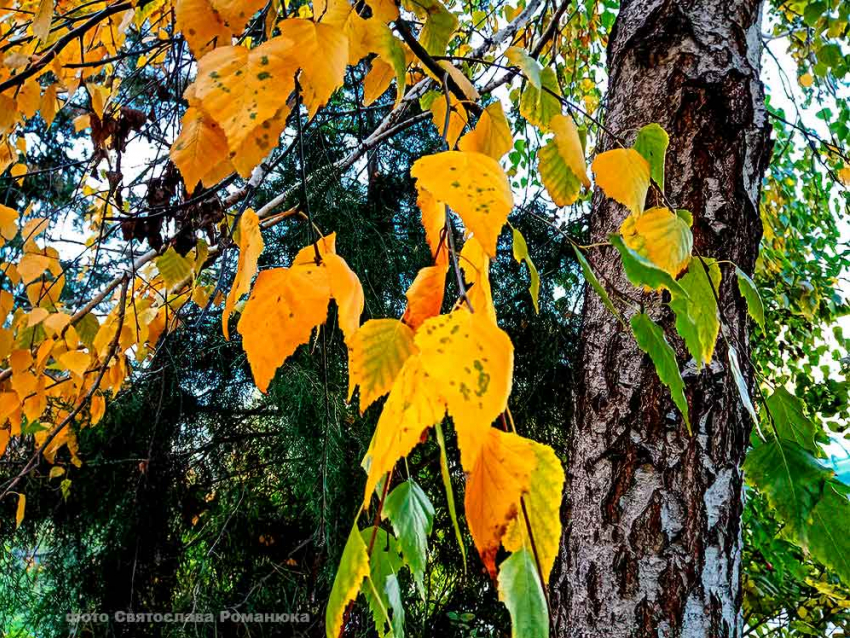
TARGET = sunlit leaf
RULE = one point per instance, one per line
(353, 568)
(623, 174)
(376, 355)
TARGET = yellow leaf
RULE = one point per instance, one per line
(200, 145)
(29, 97)
(201, 25)
(476, 269)
(322, 54)
(31, 266)
(409, 411)
(19, 514)
(458, 118)
(473, 185)
(376, 354)
(236, 13)
(491, 135)
(34, 227)
(499, 477)
(56, 471)
(661, 236)
(42, 19)
(259, 143)
(76, 362)
(566, 154)
(806, 80)
(844, 174)
(377, 81)
(56, 323)
(241, 88)
(8, 223)
(543, 505)
(49, 104)
(97, 408)
(434, 222)
(425, 295)
(470, 363)
(623, 174)
(250, 246)
(284, 307)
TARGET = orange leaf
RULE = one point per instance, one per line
(250, 247)
(499, 478)
(425, 295)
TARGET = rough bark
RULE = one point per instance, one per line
(652, 540)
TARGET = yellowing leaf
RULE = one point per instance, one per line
(257, 145)
(440, 25)
(241, 88)
(201, 25)
(347, 292)
(353, 568)
(623, 174)
(284, 307)
(473, 185)
(521, 254)
(174, 267)
(425, 295)
(528, 66)
(697, 316)
(469, 361)
(19, 513)
(562, 166)
(491, 135)
(377, 81)
(200, 146)
(499, 477)
(806, 80)
(411, 409)
(539, 106)
(661, 236)
(31, 266)
(376, 355)
(543, 506)
(457, 116)
(250, 246)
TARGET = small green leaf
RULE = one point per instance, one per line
(411, 515)
(697, 318)
(521, 254)
(651, 143)
(750, 292)
(741, 383)
(173, 267)
(520, 590)
(642, 272)
(650, 338)
(450, 496)
(591, 278)
(383, 595)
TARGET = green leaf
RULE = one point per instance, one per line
(807, 499)
(789, 417)
(697, 318)
(591, 278)
(411, 514)
(741, 383)
(384, 595)
(538, 106)
(750, 292)
(353, 568)
(828, 538)
(652, 142)
(520, 590)
(450, 496)
(440, 24)
(521, 254)
(650, 338)
(642, 272)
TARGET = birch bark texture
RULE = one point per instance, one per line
(652, 540)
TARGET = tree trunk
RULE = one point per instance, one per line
(652, 541)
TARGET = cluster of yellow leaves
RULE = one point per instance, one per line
(242, 96)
